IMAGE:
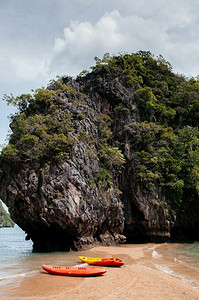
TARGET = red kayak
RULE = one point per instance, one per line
(74, 271)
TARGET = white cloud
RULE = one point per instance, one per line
(162, 30)
(112, 33)
(167, 27)
(82, 41)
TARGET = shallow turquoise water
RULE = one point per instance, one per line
(17, 260)
(179, 260)
(13, 247)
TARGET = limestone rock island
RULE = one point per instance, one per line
(110, 156)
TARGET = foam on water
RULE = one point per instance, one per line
(166, 270)
(155, 246)
(17, 275)
(155, 254)
(179, 260)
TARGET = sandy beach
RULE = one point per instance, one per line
(137, 279)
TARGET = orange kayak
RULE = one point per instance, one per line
(74, 271)
(110, 261)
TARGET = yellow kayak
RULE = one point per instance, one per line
(110, 261)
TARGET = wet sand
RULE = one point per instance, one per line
(137, 279)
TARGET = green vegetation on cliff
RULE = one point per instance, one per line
(41, 131)
(165, 141)
(5, 219)
(163, 138)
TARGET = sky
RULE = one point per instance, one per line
(41, 39)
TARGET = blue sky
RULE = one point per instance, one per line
(41, 39)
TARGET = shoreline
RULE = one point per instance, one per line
(137, 279)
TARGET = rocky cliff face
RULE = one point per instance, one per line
(91, 196)
(144, 219)
(60, 206)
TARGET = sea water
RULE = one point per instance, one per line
(178, 260)
(13, 249)
(18, 262)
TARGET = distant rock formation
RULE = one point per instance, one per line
(5, 219)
